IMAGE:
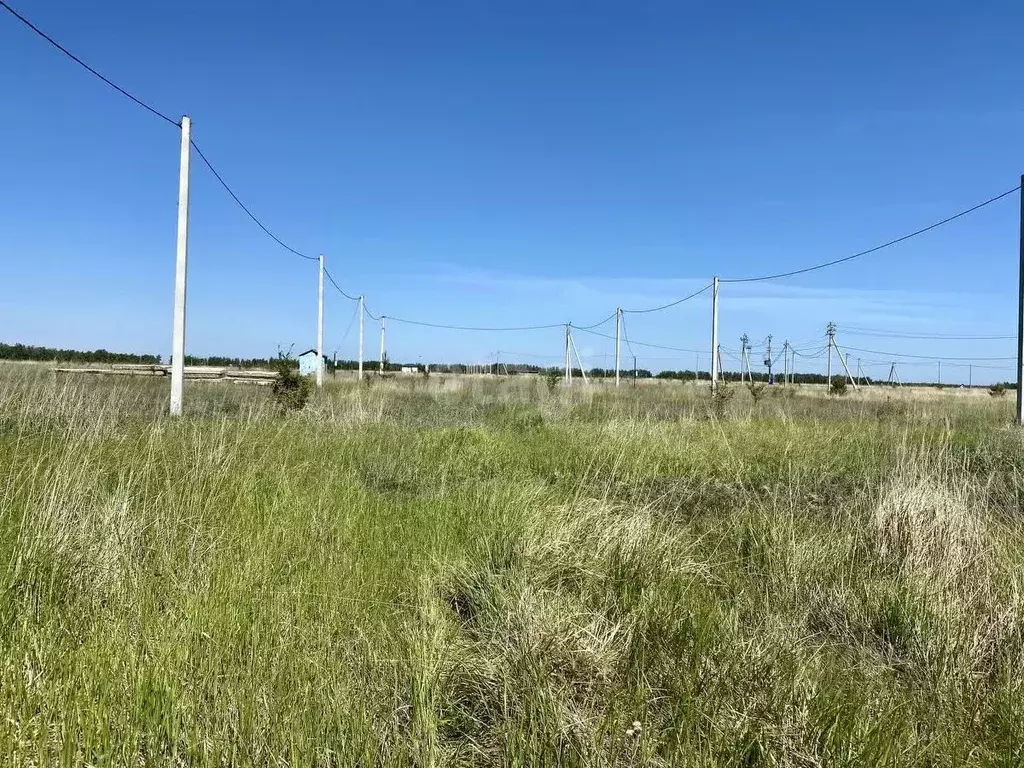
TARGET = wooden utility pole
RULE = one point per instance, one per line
(382, 353)
(180, 272)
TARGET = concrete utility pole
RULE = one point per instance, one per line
(768, 360)
(361, 308)
(939, 363)
(583, 371)
(830, 331)
(320, 327)
(568, 368)
(744, 340)
(1020, 316)
(383, 318)
(618, 325)
(970, 376)
(714, 329)
(845, 360)
(180, 272)
(785, 362)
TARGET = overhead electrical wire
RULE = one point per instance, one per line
(644, 343)
(153, 110)
(856, 331)
(472, 327)
(875, 249)
(936, 358)
(85, 66)
(670, 304)
(245, 208)
(339, 288)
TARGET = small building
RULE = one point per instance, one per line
(307, 363)
(410, 369)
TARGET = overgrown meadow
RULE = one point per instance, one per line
(476, 572)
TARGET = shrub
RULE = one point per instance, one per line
(720, 398)
(553, 378)
(290, 389)
(838, 386)
(757, 391)
(997, 390)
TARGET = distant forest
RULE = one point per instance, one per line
(28, 352)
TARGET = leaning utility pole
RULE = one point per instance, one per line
(1020, 316)
(768, 360)
(383, 318)
(361, 308)
(320, 327)
(785, 362)
(714, 329)
(180, 271)
(618, 327)
(844, 359)
(583, 371)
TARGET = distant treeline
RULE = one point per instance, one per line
(28, 352)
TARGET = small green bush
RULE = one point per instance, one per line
(838, 386)
(290, 390)
(997, 390)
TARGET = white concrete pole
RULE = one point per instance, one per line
(180, 272)
(1020, 316)
(583, 371)
(568, 367)
(785, 361)
(320, 326)
(714, 336)
(618, 324)
(382, 326)
(843, 358)
(361, 308)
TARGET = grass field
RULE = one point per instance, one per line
(460, 571)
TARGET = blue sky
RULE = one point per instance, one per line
(515, 163)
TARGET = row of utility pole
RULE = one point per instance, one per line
(179, 321)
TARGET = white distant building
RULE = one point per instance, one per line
(410, 369)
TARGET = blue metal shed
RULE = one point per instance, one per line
(307, 362)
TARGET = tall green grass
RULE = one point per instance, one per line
(469, 572)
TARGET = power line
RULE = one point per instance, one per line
(242, 205)
(832, 263)
(670, 304)
(596, 325)
(340, 290)
(81, 63)
(856, 331)
(922, 357)
(472, 327)
(643, 343)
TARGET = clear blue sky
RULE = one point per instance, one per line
(514, 163)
